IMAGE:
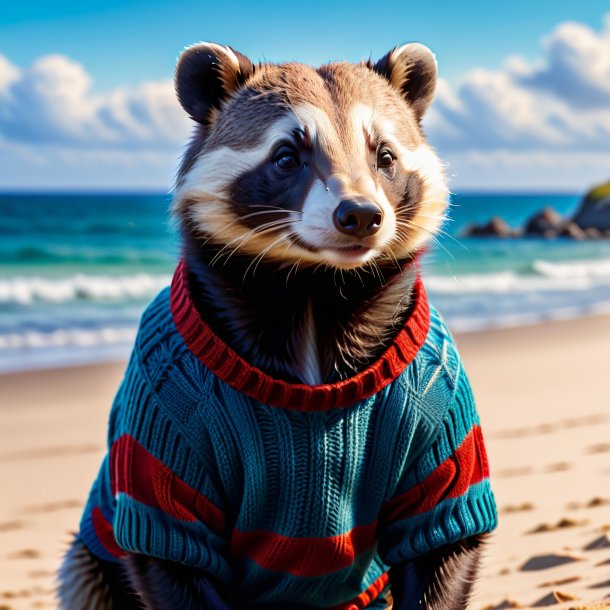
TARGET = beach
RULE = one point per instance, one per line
(542, 394)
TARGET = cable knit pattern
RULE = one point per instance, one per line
(294, 494)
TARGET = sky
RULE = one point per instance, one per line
(87, 102)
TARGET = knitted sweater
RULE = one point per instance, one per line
(292, 493)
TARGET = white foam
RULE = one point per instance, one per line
(29, 290)
(64, 338)
(545, 276)
(594, 269)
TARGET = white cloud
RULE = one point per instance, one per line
(51, 102)
(55, 132)
(529, 124)
(558, 103)
(577, 68)
(504, 169)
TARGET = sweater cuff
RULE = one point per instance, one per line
(452, 520)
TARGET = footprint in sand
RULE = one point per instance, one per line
(599, 448)
(595, 502)
(24, 554)
(504, 605)
(34, 591)
(603, 542)
(555, 597)
(518, 508)
(561, 524)
(592, 503)
(9, 526)
(557, 467)
(552, 560)
(514, 472)
(557, 583)
(51, 507)
(600, 585)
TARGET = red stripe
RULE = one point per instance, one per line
(304, 556)
(234, 370)
(466, 467)
(105, 533)
(139, 474)
(366, 597)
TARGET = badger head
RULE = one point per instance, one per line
(314, 166)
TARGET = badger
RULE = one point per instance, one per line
(295, 428)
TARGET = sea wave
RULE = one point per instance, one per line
(541, 276)
(81, 287)
(63, 338)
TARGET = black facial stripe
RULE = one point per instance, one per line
(262, 190)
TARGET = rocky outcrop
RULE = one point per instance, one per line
(546, 223)
(591, 221)
(496, 227)
(594, 211)
(571, 229)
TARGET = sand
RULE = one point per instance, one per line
(544, 398)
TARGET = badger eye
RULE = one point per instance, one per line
(287, 159)
(385, 158)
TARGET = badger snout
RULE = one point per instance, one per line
(357, 218)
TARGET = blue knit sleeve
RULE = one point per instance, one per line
(169, 499)
(158, 491)
(445, 496)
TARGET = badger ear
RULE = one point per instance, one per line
(206, 75)
(411, 69)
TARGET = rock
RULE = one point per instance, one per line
(593, 233)
(548, 222)
(594, 211)
(571, 229)
(496, 227)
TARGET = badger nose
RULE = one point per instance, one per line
(357, 219)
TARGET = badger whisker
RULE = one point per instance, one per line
(256, 260)
(269, 227)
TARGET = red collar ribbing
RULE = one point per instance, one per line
(234, 370)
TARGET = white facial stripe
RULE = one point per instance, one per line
(432, 207)
(202, 193)
(361, 117)
(316, 226)
(215, 170)
(317, 122)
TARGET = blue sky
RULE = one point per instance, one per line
(125, 42)
(510, 111)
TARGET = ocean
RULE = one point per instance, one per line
(76, 272)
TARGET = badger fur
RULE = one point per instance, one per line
(304, 199)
